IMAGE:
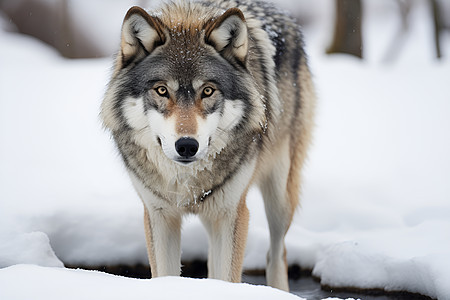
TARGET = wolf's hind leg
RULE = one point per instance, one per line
(280, 193)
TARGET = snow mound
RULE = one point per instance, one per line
(34, 282)
(27, 248)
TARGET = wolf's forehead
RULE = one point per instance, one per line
(185, 28)
(185, 48)
(189, 64)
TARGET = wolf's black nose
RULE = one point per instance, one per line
(186, 147)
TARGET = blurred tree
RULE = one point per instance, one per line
(51, 22)
(347, 36)
(399, 38)
(438, 26)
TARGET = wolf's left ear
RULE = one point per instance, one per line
(141, 34)
(228, 34)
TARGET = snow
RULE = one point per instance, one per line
(34, 248)
(39, 283)
(375, 203)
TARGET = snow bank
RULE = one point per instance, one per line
(33, 282)
(27, 248)
(375, 203)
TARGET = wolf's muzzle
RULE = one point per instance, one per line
(187, 148)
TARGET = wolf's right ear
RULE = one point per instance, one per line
(141, 34)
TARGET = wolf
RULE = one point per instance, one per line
(207, 98)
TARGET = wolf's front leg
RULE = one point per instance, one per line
(227, 230)
(162, 223)
(163, 235)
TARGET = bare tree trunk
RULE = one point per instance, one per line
(438, 26)
(398, 40)
(347, 36)
(66, 42)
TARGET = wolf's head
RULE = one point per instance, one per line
(181, 83)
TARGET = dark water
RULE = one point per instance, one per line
(307, 287)
(301, 283)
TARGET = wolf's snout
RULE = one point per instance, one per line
(186, 147)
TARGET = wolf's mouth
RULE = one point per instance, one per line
(185, 160)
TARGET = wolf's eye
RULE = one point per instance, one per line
(162, 91)
(207, 92)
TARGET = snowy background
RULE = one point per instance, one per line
(375, 208)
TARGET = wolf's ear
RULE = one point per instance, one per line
(228, 34)
(141, 34)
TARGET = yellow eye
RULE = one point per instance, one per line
(162, 91)
(207, 92)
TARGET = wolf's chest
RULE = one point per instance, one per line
(187, 190)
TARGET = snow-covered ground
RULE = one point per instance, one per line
(44, 283)
(376, 197)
